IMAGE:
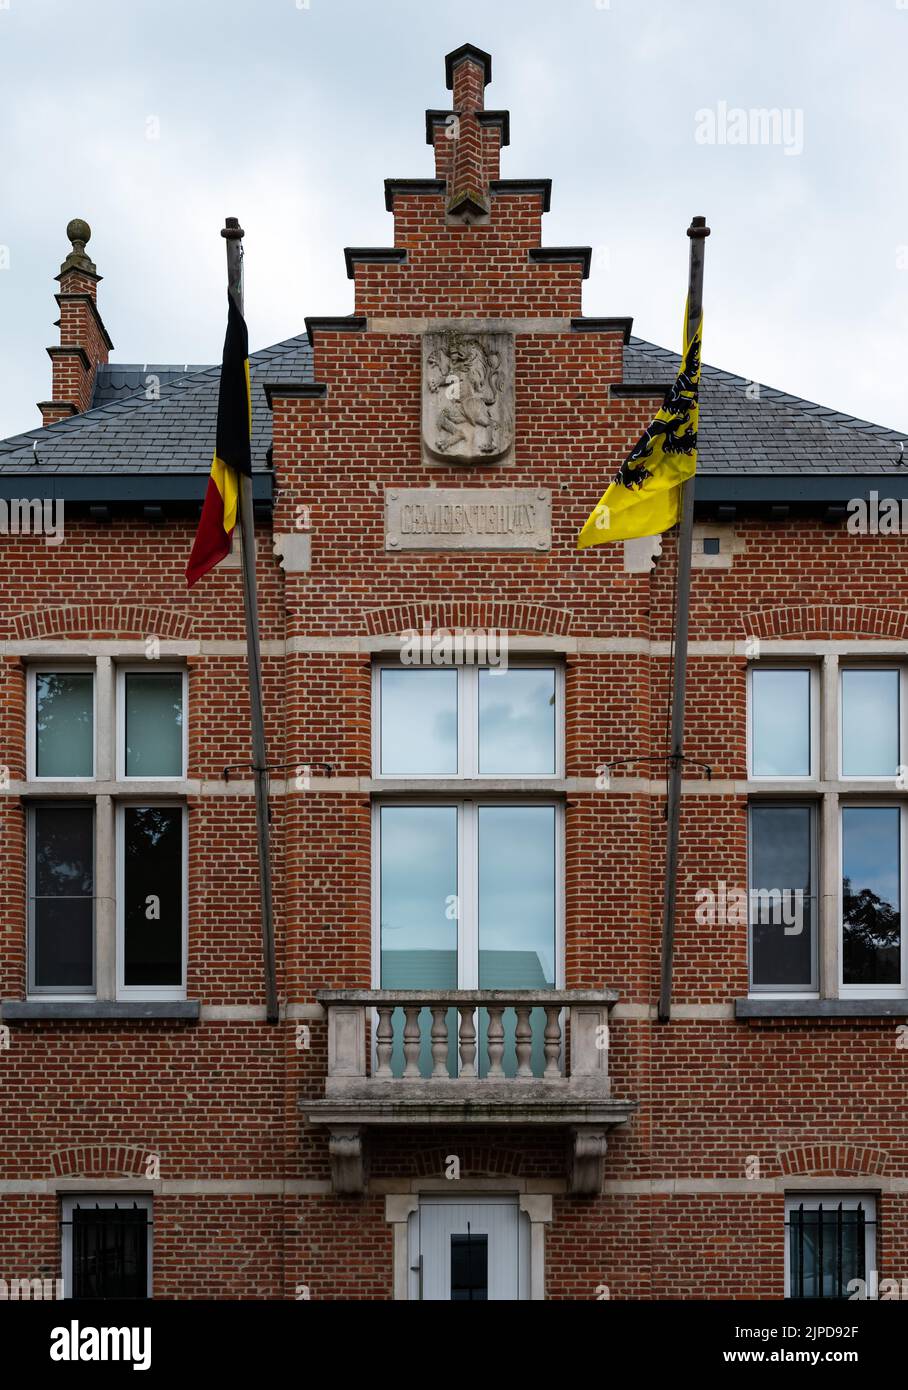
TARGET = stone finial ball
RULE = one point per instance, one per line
(78, 230)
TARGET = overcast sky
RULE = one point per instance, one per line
(291, 116)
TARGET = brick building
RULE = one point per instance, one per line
(465, 898)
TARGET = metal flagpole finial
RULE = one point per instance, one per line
(232, 229)
(697, 228)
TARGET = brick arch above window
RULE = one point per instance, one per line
(102, 620)
(102, 1161)
(512, 617)
(476, 1160)
(826, 621)
(833, 1159)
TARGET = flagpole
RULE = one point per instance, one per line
(698, 232)
(233, 234)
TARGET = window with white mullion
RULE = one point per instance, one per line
(91, 931)
(861, 738)
(468, 896)
(468, 721)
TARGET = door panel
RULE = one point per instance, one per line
(470, 1250)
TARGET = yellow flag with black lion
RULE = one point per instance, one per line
(644, 499)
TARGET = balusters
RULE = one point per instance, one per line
(523, 1040)
(439, 1039)
(495, 1040)
(384, 1042)
(460, 1042)
(467, 1041)
(411, 1040)
(552, 1042)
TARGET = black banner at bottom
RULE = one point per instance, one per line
(259, 1338)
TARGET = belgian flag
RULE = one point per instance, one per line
(232, 451)
(644, 498)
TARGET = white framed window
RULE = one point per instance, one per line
(152, 917)
(858, 781)
(873, 854)
(61, 898)
(151, 722)
(104, 730)
(782, 722)
(872, 721)
(830, 1245)
(61, 723)
(106, 1245)
(468, 894)
(468, 721)
(783, 897)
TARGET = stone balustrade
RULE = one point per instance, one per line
(534, 1030)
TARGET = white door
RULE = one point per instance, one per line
(469, 1249)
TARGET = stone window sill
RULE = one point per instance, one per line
(27, 1010)
(821, 1008)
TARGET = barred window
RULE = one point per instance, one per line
(830, 1246)
(107, 1247)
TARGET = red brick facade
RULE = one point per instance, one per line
(731, 1111)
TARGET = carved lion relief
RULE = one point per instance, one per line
(468, 396)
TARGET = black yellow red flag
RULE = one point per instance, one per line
(232, 451)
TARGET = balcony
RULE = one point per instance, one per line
(468, 1057)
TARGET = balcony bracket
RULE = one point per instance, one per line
(348, 1163)
(588, 1147)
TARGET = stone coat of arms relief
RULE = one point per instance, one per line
(467, 396)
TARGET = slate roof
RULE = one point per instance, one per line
(776, 433)
(175, 434)
(117, 381)
(125, 433)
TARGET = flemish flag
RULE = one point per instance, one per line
(645, 497)
(232, 451)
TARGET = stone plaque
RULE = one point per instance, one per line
(467, 396)
(468, 518)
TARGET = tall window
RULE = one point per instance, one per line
(839, 778)
(61, 859)
(106, 859)
(151, 897)
(468, 886)
(782, 898)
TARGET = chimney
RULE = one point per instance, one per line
(84, 342)
(468, 70)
